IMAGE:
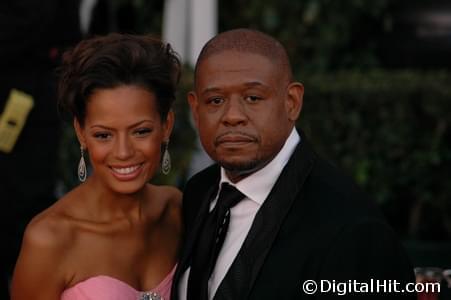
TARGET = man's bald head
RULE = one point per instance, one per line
(248, 41)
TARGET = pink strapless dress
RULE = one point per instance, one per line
(108, 288)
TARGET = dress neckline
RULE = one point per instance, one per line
(157, 288)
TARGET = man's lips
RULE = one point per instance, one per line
(234, 139)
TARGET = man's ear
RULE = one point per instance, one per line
(168, 125)
(194, 105)
(80, 133)
(294, 100)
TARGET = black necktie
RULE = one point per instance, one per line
(209, 242)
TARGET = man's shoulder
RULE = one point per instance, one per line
(201, 182)
(206, 177)
(331, 187)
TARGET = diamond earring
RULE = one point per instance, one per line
(82, 166)
(166, 161)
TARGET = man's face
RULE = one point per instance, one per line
(245, 108)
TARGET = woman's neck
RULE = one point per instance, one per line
(108, 204)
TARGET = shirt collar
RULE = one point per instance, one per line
(258, 185)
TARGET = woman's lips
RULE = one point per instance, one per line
(125, 173)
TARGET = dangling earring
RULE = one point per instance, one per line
(166, 161)
(82, 166)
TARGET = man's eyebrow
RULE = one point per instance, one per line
(254, 83)
(247, 84)
(211, 89)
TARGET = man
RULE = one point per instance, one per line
(294, 217)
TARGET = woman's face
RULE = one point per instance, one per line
(123, 134)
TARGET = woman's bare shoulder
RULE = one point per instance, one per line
(170, 199)
(54, 227)
(173, 194)
(49, 230)
(169, 196)
(42, 262)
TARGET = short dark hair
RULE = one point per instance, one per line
(114, 60)
(249, 41)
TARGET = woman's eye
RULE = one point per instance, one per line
(142, 131)
(102, 135)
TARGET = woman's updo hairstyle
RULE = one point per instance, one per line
(114, 60)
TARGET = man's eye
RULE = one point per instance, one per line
(142, 131)
(102, 135)
(215, 100)
(252, 98)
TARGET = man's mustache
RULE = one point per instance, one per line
(235, 136)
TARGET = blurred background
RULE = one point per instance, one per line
(377, 102)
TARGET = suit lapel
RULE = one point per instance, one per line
(192, 233)
(241, 276)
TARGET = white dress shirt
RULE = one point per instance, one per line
(256, 187)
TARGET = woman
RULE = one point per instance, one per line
(115, 236)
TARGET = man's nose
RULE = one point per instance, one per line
(234, 112)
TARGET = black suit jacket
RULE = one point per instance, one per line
(314, 225)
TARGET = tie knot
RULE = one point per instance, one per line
(229, 196)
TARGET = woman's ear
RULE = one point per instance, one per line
(168, 124)
(80, 133)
